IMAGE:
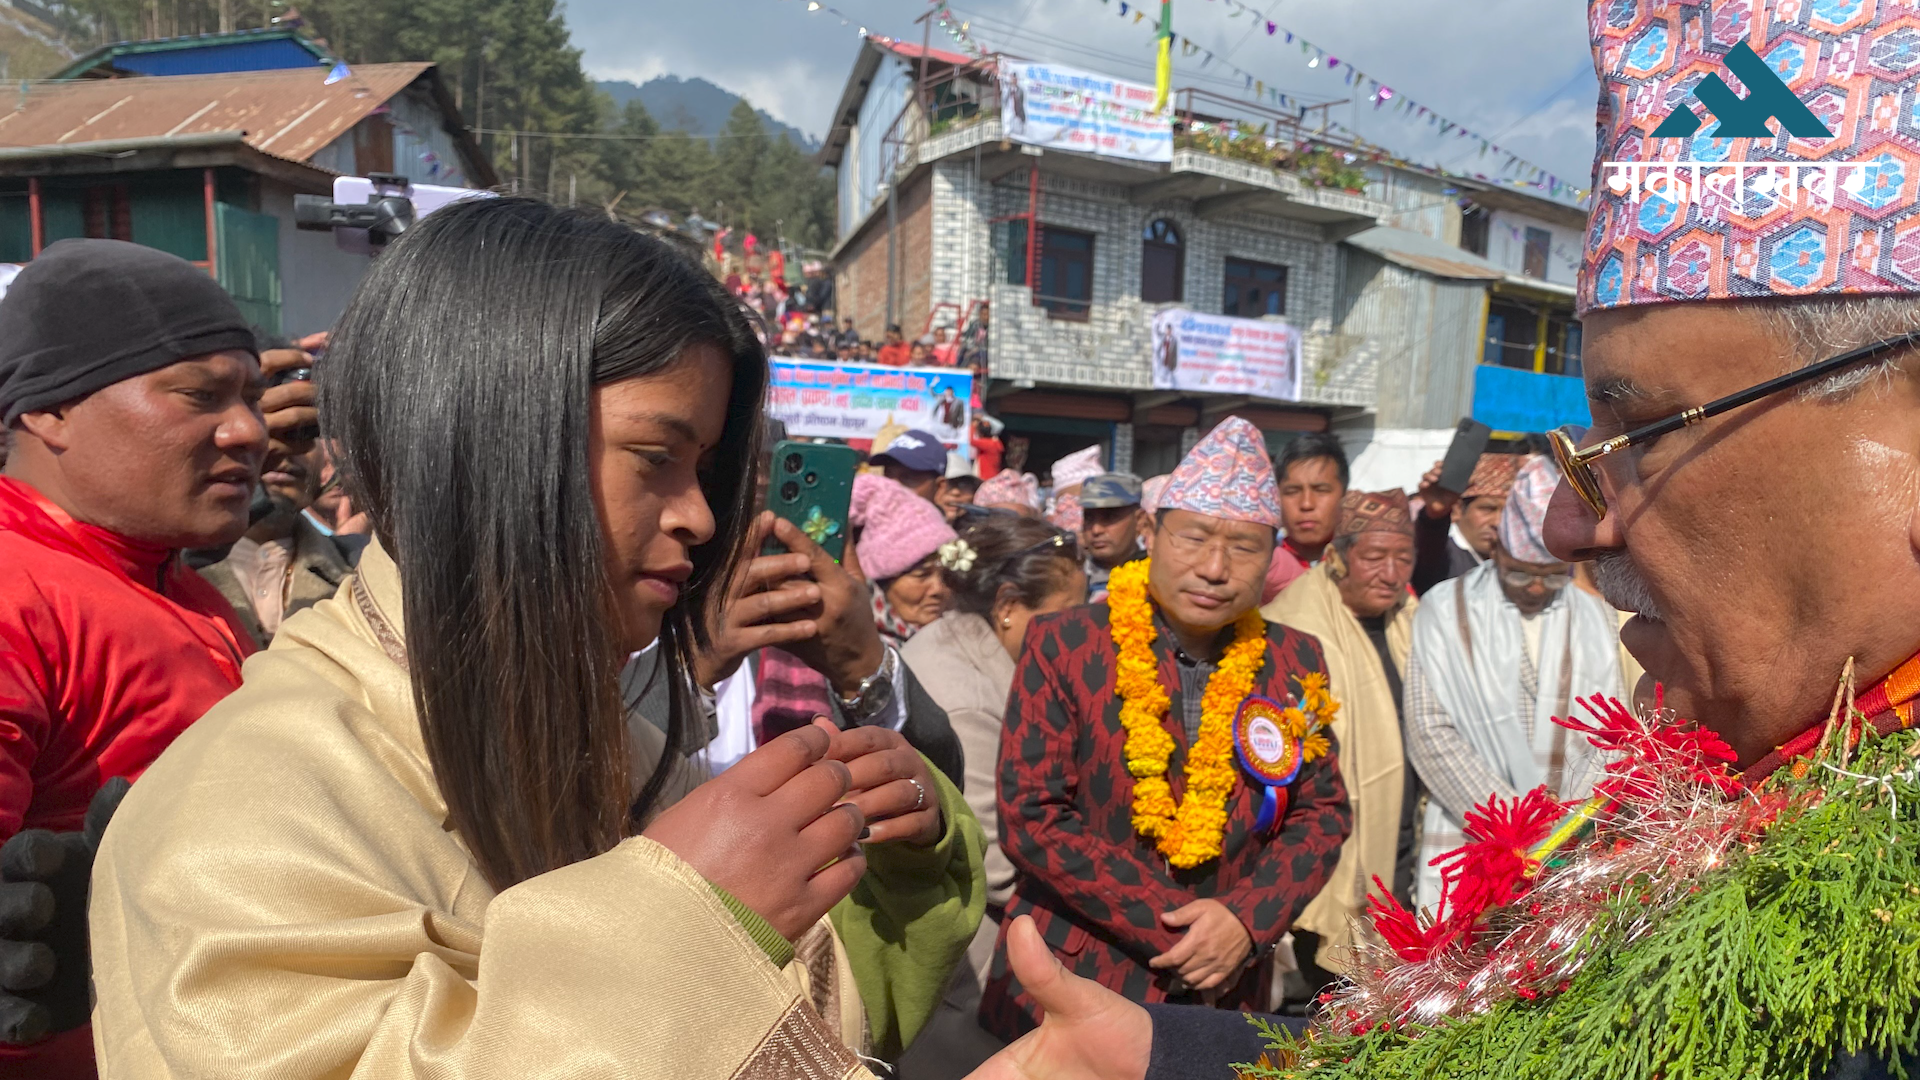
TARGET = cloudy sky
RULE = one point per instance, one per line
(1517, 71)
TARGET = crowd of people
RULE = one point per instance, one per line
(934, 683)
(438, 697)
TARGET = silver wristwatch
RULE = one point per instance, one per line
(874, 691)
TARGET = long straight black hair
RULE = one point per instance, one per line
(458, 386)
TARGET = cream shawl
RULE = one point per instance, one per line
(281, 896)
(1372, 760)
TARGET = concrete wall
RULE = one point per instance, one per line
(859, 176)
(316, 277)
(860, 289)
(1111, 348)
(1507, 245)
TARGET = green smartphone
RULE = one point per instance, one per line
(811, 486)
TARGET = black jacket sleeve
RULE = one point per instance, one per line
(927, 728)
(1432, 552)
(1195, 1042)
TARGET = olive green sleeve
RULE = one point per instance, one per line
(910, 919)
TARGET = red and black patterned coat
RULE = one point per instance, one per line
(1095, 887)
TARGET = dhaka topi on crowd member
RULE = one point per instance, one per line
(1313, 480)
(1154, 859)
(915, 460)
(1112, 526)
(134, 437)
(1150, 490)
(1455, 533)
(1014, 491)
(430, 779)
(1355, 601)
(957, 487)
(897, 538)
(1498, 652)
(1001, 573)
(1067, 474)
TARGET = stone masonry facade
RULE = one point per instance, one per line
(1110, 351)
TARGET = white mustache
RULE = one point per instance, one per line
(1620, 582)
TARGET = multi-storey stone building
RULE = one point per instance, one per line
(1075, 253)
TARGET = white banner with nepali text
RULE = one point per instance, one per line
(1068, 109)
(826, 399)
(1220, 354)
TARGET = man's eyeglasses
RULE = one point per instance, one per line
(1521, 579)
(1577, 464)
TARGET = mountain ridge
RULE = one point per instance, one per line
(695, 106)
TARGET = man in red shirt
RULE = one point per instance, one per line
(132, 397)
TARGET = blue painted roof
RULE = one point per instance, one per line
(271, 48)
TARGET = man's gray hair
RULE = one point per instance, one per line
(1818, 327)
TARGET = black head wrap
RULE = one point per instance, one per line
(89, 313)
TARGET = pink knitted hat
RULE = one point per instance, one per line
(898, 528)
(1227, 476)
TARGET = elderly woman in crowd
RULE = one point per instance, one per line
(897, 539)
(422, 840)
(1002, 571)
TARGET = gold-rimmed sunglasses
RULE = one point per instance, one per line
(1577, 464)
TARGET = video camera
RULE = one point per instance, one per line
(366, 213)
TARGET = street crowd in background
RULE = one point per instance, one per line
(261, 515)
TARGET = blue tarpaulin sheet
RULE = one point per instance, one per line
(1509, 399)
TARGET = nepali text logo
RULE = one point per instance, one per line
(1745, 118)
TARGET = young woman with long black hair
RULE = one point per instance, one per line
(422, 840)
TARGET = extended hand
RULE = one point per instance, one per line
(847, 647)
(773, 831)
(764, 607)
(1086, 1032)
(892, 784)
(1214, 948)
(289, 409)
(1439, 501)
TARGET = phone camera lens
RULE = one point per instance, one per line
(789, 491)
(794, 463)
(811, 479)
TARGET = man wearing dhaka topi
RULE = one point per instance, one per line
(1168, 791)
(1741, 896)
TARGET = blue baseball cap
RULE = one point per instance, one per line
(915, 450)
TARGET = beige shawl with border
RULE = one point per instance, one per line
(1372, 759)
(281, 896)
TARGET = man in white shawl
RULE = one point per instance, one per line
(1497, 653)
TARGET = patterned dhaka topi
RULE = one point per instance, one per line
(1524, 520)
(1492, 476)
(1375, 511)
(1696, 215)
(1076, 468)
(1227, 475)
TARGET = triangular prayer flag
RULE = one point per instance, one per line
(340, 71)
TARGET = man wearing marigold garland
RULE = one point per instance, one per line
(1750, 361)
(1161, 853)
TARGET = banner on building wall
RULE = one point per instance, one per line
(1068, 109)
(1219, 354)
(820, 399)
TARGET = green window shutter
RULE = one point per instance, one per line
(170, 213)
(249, 263)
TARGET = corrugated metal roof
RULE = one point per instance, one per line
(1417, 251)
(289, 114)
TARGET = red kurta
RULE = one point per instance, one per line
(99, 672)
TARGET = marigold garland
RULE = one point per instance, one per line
(1190, 832)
